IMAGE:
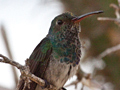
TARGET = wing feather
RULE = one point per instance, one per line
(38, 61)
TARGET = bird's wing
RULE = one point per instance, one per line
(40, 57)
(39, 61)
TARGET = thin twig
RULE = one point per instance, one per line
(117, 13)
(5, 38)
(109, 50)
(107, 19)
(117, 20)
(117, 8)
(114, 6)
(25, 72)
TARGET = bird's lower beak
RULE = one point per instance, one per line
(79, 18)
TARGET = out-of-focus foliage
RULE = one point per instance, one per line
(102, 35)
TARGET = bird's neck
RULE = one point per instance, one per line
(64, 47)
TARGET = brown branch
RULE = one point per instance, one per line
(25, 72)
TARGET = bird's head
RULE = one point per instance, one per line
(68, 23)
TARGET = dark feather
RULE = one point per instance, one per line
(39, 61)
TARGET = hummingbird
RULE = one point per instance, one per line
(57, 57)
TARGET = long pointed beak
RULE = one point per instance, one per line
(79, 18)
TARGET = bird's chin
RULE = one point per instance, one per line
(76, 28)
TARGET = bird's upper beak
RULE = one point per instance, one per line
(79, 18)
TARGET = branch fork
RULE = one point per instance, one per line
(117, 13)
(25, 73)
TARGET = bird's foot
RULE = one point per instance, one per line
(47, 85)
(63, 88)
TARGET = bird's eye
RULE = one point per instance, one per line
(59, 22)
